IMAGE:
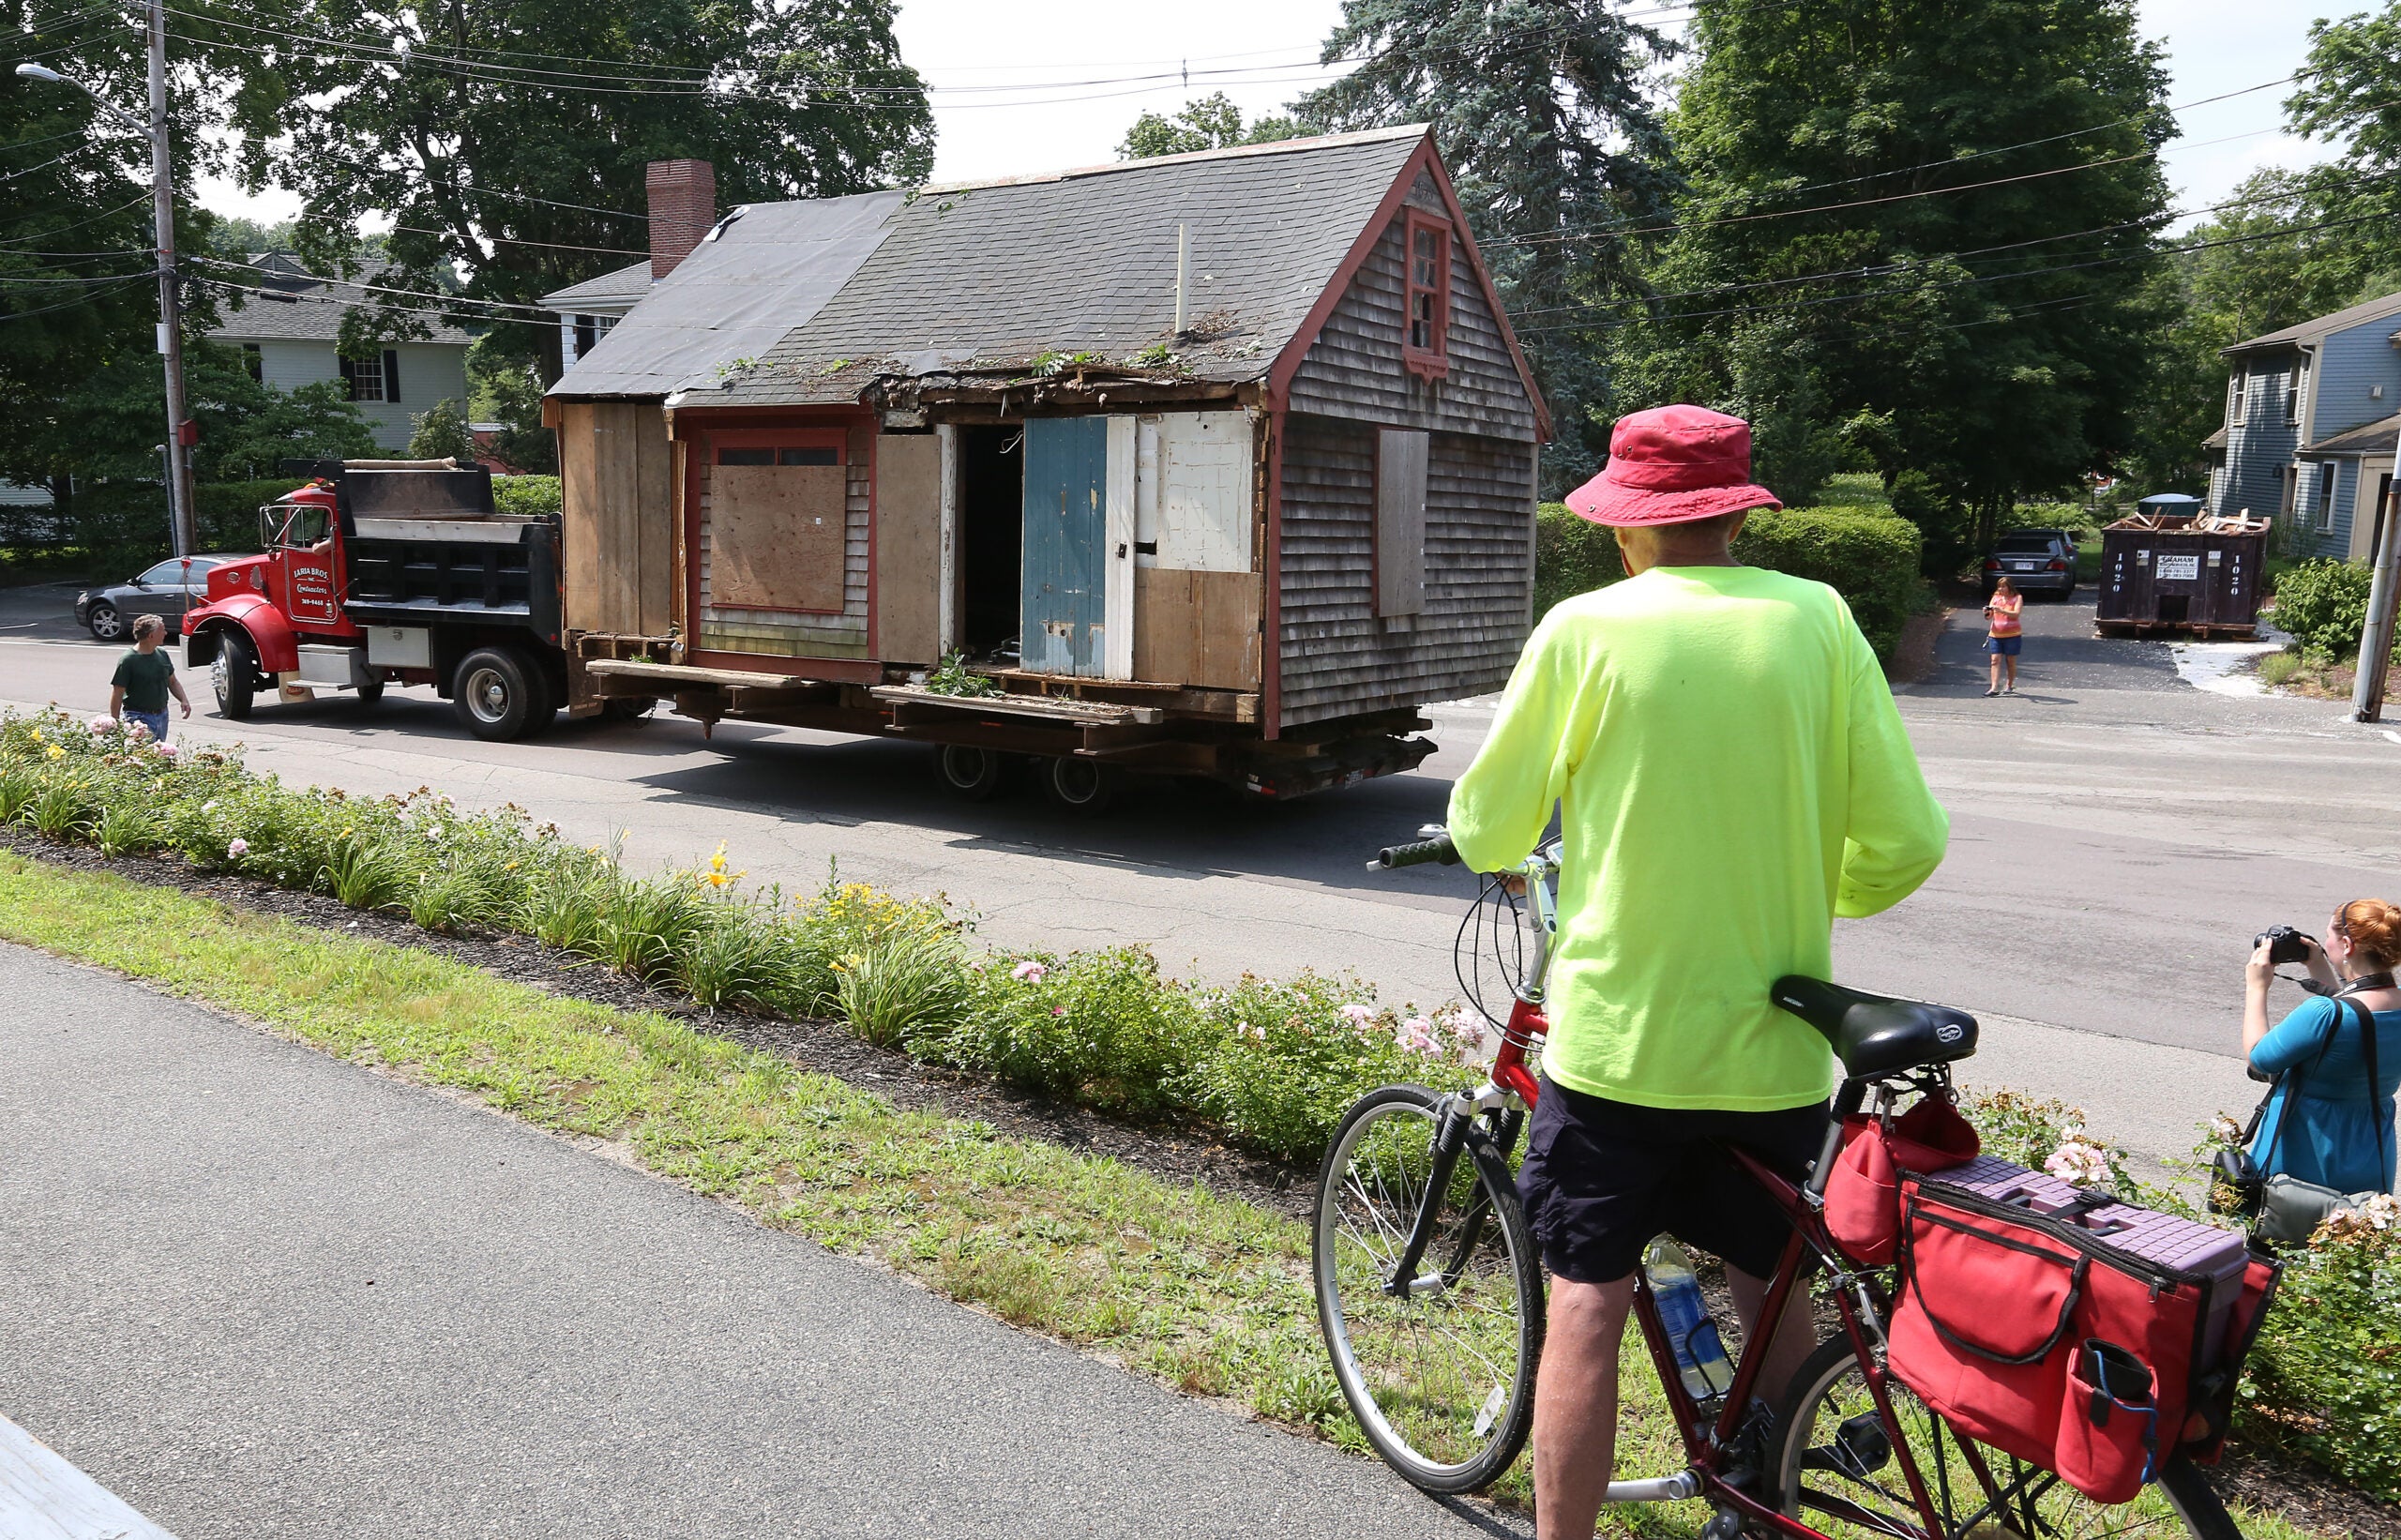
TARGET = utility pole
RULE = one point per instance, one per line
(162, 223)
(171, 330)
(2376, 637)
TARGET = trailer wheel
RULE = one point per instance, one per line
(498, 694)
(371, 692)
(1080, 785)
(971, 773)
(234, 673)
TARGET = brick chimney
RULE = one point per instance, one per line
(683, 205)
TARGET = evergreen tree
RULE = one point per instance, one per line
(1920, 233)
(1540, 112)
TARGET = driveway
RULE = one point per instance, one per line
(2062, 657)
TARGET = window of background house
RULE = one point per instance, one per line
(374, 379)
(253, 361)
(2325, 497)
(2237, 388)
(2299, 389)
(1426, 342)
(1400, 521)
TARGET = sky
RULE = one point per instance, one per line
(1011, 98)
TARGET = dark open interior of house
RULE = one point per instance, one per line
(991, 525)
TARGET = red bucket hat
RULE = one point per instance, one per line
(1672, 465)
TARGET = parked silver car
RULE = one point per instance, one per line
(2035, 561)
(166, 590)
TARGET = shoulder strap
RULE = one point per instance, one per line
(2290, 1081)
(2368, 1047)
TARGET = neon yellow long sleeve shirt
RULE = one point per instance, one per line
(1731, 775)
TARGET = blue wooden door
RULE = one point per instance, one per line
(1067, 478)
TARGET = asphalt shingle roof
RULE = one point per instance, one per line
(622, 287)
(298, 307)
(2373, 438)
(2310, 331)
(998, 273)
(765, 269)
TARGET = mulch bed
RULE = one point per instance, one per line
(2303, 1494)
(824, 1047)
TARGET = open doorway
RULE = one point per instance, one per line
(991, 538)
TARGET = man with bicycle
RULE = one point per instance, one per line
(1731, 775)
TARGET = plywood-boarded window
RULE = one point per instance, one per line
(1400, 521)
(778, 520)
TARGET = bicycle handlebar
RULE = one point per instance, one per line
(1417, 855)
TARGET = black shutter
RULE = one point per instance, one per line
(349, 375)
(391, 375)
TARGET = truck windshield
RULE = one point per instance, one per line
(294, 526)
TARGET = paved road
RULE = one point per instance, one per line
(258, 1292)
(2117, 836)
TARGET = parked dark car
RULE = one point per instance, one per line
(165, 590)
(2035, 561)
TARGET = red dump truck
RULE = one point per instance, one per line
(385, 572)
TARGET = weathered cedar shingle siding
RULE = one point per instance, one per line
(1337, 660)
(1353, 369)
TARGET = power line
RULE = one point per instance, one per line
(66, 304)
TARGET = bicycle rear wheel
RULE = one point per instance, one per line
(1440, 1377)
(1838, 1472)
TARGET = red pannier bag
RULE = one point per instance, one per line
(1862, 1209)
(2032, 1332)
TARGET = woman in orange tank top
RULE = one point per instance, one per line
(2002, 639)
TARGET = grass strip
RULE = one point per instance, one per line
(1205, 1292)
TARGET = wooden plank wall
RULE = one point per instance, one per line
(1354, 369)
(736, 630)
(1338, 657)
(908, 548)
(618, 531)
(1197, 628)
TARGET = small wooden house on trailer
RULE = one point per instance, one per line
(1221, 463)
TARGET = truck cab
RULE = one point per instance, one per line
(378, 572)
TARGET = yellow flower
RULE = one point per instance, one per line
(56, 752)
(716, 878)
(344, 835)
(716, 862)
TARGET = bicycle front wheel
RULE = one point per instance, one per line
(1440, 1375)
(1840, 1474)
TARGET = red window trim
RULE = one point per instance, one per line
(1434, 362)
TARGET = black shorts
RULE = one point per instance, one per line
(1602, 1177)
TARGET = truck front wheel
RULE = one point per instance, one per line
(234, 673)
(499, 694)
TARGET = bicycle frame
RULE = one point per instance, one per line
(1511, 1089)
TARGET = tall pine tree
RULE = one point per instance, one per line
(1539, 109)
(1930, 224)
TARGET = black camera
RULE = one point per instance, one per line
(2285, 945)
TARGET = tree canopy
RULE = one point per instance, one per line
(506, 141)
(1211, 123)
(1540, 111)
(1923, 235)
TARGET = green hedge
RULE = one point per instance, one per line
(2323, 604)
(526, 496)
(1864, 553)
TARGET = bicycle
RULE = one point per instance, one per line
(1436, 1362)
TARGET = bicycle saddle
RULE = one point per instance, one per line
(1876, 1034)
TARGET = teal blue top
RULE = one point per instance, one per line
(2333, 1138)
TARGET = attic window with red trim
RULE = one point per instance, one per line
(1425, 338)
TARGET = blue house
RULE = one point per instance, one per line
(2312, 415)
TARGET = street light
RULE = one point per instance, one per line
(162, 198)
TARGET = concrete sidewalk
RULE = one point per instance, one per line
(258, 1292)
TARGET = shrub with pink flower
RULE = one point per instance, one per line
(99, 725)
(1361, 1017)
(1465, 1029)
(2079, 1161)
(167, 751)
(1416, 1035)
(1029, 972)
(239, 848)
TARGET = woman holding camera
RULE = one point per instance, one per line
(2339, 1133)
